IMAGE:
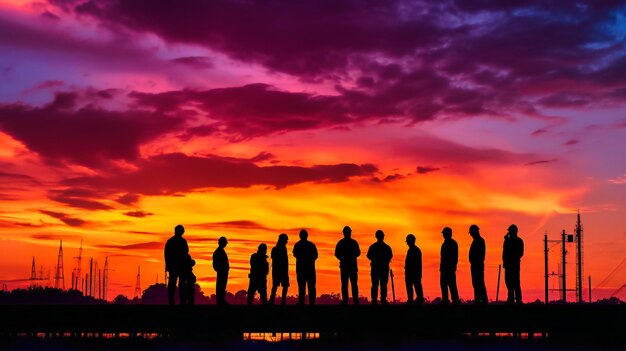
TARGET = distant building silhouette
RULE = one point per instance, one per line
(413, 271)
(512, 252)
(477, 265)
(280, 269)
(221, 266)
(305, 253)
(176, 251)
(380, 256)
(347, 251)
(447, 267)
(259, 268)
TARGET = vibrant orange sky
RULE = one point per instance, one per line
(120, 120)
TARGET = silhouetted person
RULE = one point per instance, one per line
(447, 267)
(221, 266)
(280, 269)
(347, 251)
(176, 250)
(305, 253)
(188, 280)
(477, 265)
(380, 256)
(512, 253)
(413, 271)
(259, 268)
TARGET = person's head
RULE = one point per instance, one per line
(474, 231)
(447, 233)
(513, 230)
(347, 232)
(283, 238)
(410, 240)
(179, 230)
(262, 249)
(380, 236)
(222, 242)
(304, 234)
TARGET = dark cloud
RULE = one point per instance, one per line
(138, 214)
(237, 224)
(129, 199)
(79, 198)
(486, 52)
(65, 218)
(88, 136)
(571, 142)
(152, 245)
(197, 62)
(539, 162)
(178, 173)
(426, 169)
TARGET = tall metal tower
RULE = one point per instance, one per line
(59, 278)
(33, 273)
(138, 283)
(78, 268)
(105, 278)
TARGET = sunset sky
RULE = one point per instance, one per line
(121, 119)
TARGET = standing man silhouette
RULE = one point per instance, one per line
(221, 266)
(347, 251)
(280, 269)
(380, 256)
(176, 251)
(447, 267)
(477, 265)
(512, 253)
(413, 271)
(259, 268)
(305, 253)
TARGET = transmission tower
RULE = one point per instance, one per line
(138, 283)
(105, 278)
(33, 273)
(59, 279)
(78, 268)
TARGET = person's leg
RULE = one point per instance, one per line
(443, 283)
(374, 276)
(182, 291)
(384, 279)
(171, 288)
(408, 282)
(283, 299)
(312, 289)
(482, 288)
(263, 291)
(509, 286)
(354, 281)
(343, 274)
(273, 293)
(419, 291)
(453, 289)
(301, 288)
(191, 293)
(220, 287)
(518, 287)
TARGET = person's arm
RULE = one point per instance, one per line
(314, 251)
(418, 262)
(369, 253)
(358, 249)
(521, 248)
(337, 251)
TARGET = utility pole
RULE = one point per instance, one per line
(79, 264)
(563, 277)
(579, 259)
(545, 264)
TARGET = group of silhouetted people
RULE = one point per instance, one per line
(179, 264)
